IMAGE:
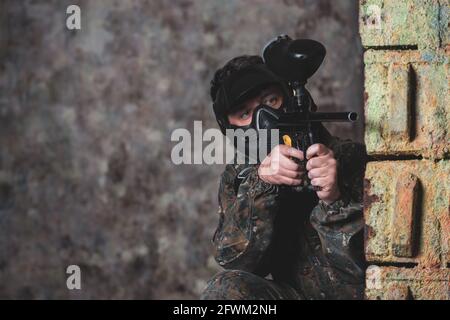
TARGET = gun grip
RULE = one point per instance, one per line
(288, 141)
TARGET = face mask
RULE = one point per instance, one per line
(256, 140)
(239, 87)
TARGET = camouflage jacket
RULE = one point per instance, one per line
(313, 247)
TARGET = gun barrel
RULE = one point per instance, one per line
(300, 119)
(334, 116)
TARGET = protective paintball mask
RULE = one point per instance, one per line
(239, 87)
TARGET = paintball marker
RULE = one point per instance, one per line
(295, 61)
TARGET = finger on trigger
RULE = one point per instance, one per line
(295, 153)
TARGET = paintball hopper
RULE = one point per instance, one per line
(293, 60)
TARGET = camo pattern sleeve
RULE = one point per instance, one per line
(247, 208)
(340, 225)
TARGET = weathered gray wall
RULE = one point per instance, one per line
(85, 124)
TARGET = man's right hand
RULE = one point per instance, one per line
(278, 167)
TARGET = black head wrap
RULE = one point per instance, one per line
(240, 86)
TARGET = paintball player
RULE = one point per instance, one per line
(275, 243)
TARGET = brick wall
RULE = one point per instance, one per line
(407, 185)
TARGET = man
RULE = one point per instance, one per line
(309, 243)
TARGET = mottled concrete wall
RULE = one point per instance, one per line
(85, 124)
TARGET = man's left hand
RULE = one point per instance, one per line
(322, 170)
